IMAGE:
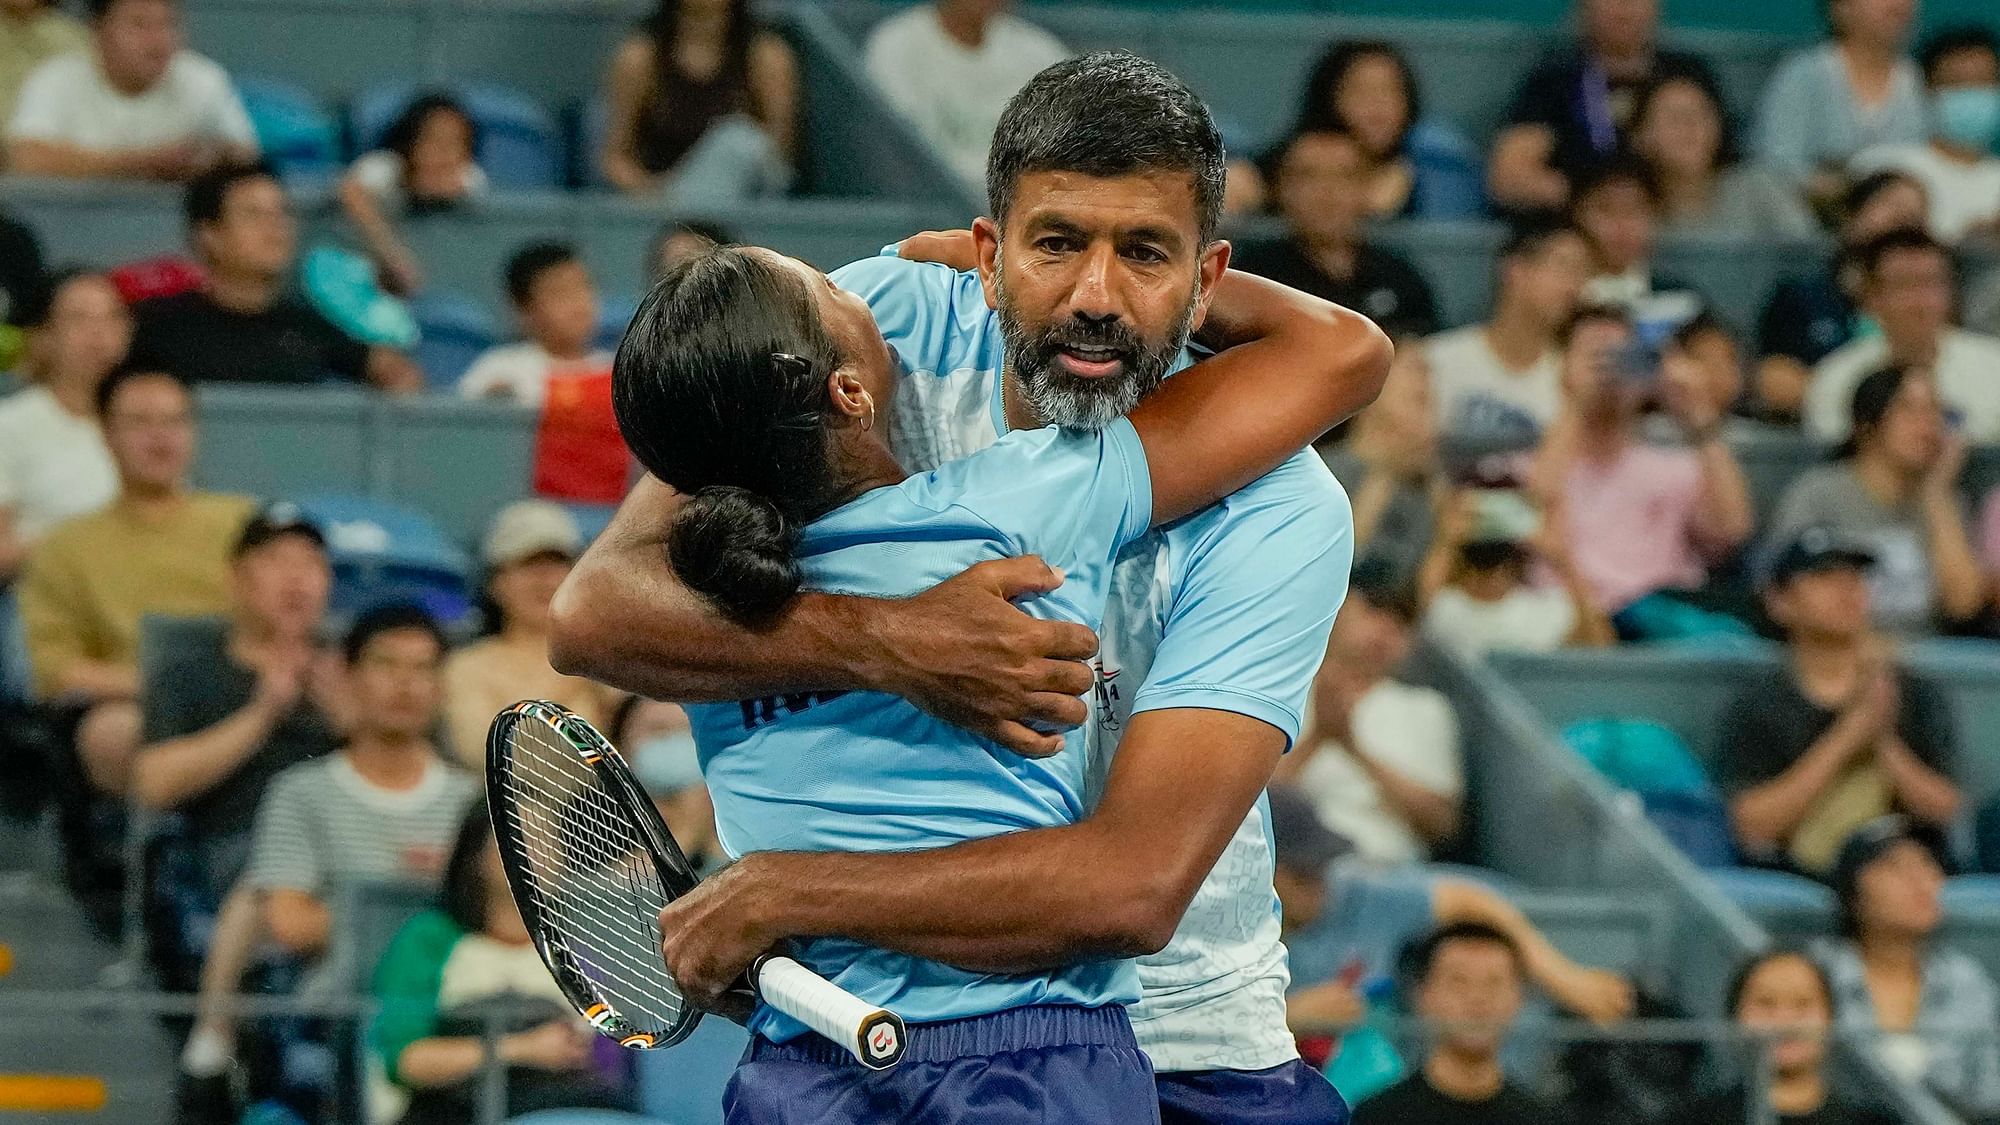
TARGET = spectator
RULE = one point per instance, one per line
(529, 550)
(1381, 764)
(659, 742)
(703, 106)
(1576, 107)
(1857, 90)
(1617, 210)
(1784, 998)
(1389, 466)
(1907, 287)
(557, 305)
(1894, 490)
(31, 33)
(241, 326)
(1718, 356)
(1808, 318)
(1321, 196)
(1501, 381)
(451, 973)
(1479, 590)
(1838, 737)
(950, 66)
(1642, 520)
(1411, 168)
(384, 807)
(138, 106)
(1957, 166)
(1681, 130)
(159, 548)
(1468, 980)
(678, 241)
(429, 161)
(1931, 1012)
(21, 279)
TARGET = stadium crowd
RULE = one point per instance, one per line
(1562, 474)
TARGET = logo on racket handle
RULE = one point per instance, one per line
(882, 1041)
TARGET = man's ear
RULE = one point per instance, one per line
(986, 238)
(1208, 274)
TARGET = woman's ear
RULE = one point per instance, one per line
(850, 398)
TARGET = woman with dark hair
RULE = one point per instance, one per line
(468, 964)
(428, 160)
(1681, 129)
(1928, 1011)
(1417, 169)
(1893, 487)
(703, 104)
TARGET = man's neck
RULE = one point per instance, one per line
(1888, 485)
(1020, 413)
(1627, 64)
(1916, 351)
(151, 501)
(1335, 257)
(1795, 1095)
(1893, 956)
(392, 762)
(963, 23)
(1518, 340)
(241, 293)
(1868, 57)
(1468, 1078)
(564, 352)
(123, 84)
(1684, 193)
(74, 394)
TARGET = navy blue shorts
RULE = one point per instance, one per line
(1290, 1094)
(1028, 1066)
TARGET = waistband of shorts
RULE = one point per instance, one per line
(1016, 1029)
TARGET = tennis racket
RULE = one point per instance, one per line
(591, 864)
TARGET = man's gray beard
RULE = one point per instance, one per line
(1060, 399)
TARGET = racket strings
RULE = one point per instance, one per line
(590, 874)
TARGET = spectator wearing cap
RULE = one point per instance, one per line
(1345, 920)
(159, 548)
(1909, 288)
(1479, 587)
(1838, 736)
(1956, 165)
(1381, 763)
(1928, 1011)
(657, 740)
(556, 303)
(1856, 90)
(1894, 489)
(138, 105)
(529, 550)
(31, 33)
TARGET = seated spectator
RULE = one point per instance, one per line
(1616, 209)
(241, 326)
(451, 973)
(1854, 91)
(1809, 317)
(1479, 588)
(950, 66)
(161, 547)
(1501, 382)
(529, 550)
(1645, 522)
(556, 303)
(1321, 197)
(1411, 168)
(1381, 761)
(137, 106)
(1717, 354)
(1389, 466)
(429, 161)
(1785, 998)
(1894, 490)
(1681, 130)
(1576, 106)
(678, 241)
(1930, 1013)
(1840, 735)
(31, 33)
(658, 741)
(704, 106)
(1468, 980)
(1957, 165)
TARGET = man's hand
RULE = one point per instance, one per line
(282, 680)
(1600, 996)
(963, 652)
(711, 937)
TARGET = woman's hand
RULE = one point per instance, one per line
(954, 248)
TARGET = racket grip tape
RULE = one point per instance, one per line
(874, 1036)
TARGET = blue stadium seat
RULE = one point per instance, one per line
(452, 332)
(385, 552)
(1792, 907)
(522, 147)
(298, 133)
(1972, 894)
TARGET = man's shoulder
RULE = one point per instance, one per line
(1300, 502)
(907, 30)
(68, 71)
(24, 409)
(194, 73)
(228, 510)
(1974, 347)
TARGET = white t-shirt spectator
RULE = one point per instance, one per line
(1968, 379)
(1528, 619)
(1479, 397)
(381, 173)
(67, 100)
(952, 93)
(1406, 728)
(53, 464)
(520, 373)
(1962, 196)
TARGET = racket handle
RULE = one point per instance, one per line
(875, 1036)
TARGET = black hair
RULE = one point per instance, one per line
(1374, 581)
(1704, 323)
(1318, 111)
(209, 192)
(1739, 982)
(720, 387)
(530, 262)
(463, 894)
(1592, 314)
(663, 28)
(40, 303)
(1956, 40)
(1728, 149)
(1530, 238)
(1869, 255)
(1863, 191)
(1107, 113)
(1620, 168)
(1420, 956)
(100, 8)
(401, 136)
(1870, 403)
(107, 390)
(389, 619)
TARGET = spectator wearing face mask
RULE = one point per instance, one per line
(657, 740)
(1956, 165)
